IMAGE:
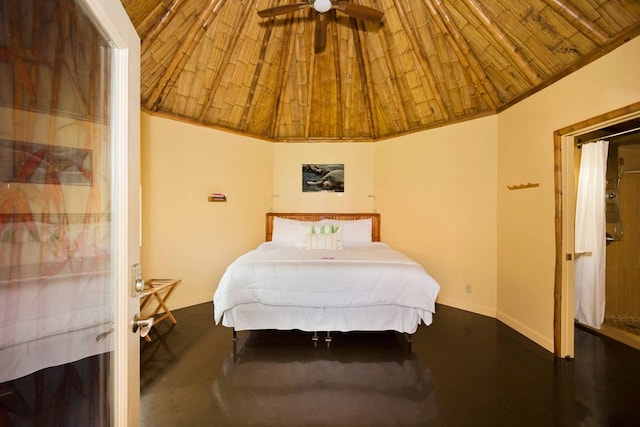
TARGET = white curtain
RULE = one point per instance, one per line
(590, 234)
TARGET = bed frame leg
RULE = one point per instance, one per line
(409, 340)
(315, 338)
(327, 339)
(234, 335)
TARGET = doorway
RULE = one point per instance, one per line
(622, 271)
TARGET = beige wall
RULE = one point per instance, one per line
(442, 194)
(184, 235)
(436, 191)
(526, 235)
(287, 177)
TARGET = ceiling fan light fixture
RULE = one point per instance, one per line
(322, 6)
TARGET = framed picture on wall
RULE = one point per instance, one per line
(319, 177)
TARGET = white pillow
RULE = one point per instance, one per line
(354, 231)
(291, 231)
(284, 230)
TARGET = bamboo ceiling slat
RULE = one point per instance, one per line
(409, 28)
(619, 17)
(392, 57)
(463, 52)
(365, 79)
(578, 20)
(429, 63)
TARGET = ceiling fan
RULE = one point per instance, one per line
(322, 7)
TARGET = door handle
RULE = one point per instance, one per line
(143, 324)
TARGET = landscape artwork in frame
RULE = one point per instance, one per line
(318, 177)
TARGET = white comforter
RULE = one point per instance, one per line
(357, 276)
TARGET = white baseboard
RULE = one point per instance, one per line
(519, 327)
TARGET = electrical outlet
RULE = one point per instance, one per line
(467, 288)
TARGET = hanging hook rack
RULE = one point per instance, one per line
(523, 186)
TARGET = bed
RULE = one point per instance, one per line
(321, 272)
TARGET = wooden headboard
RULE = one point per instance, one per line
(375, 220)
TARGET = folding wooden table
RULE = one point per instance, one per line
(158, 291)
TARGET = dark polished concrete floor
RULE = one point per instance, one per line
(463, 370)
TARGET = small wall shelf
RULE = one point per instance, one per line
(217, 198)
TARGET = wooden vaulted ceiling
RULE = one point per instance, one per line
(428, 64)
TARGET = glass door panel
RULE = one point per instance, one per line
(58, 293)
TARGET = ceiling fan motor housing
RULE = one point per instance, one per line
(322, 6)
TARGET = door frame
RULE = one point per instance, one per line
(565, 200)
(125, 199)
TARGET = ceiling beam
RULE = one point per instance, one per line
(338, 82)
(464, 53)
(266, 38)
(365, 77)
(311, 76)
(186, 48)
(165, 19)
(283, 71)
(578, 20)
(384, 41)
(503, 40)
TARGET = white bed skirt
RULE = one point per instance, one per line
(257, 316)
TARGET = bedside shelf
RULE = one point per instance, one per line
(216, 199)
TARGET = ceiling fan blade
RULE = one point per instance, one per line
(359, 12)
(281, 10)
(320, 41)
